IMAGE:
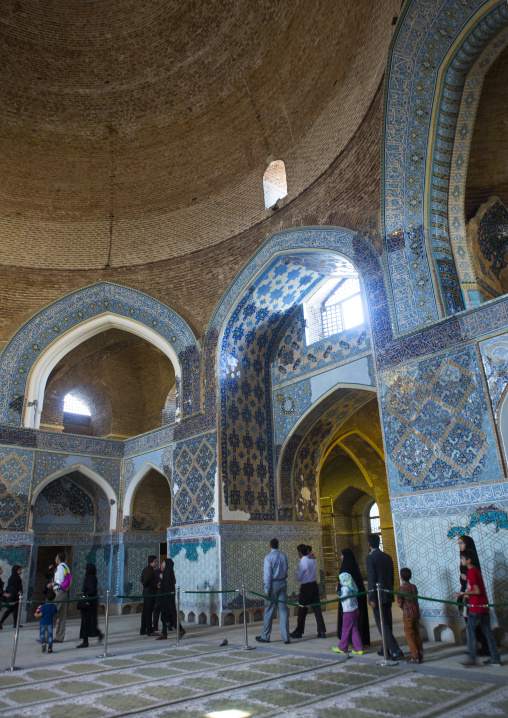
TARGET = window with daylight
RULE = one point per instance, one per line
(375, 523)
(343, 308)
(274, 183)
(72, 405)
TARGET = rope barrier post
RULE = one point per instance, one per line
(106, 630)
(385, 662)
(177, 627)
(245, 646)
(13, 666)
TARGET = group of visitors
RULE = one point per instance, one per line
(52, 613)
(158, 585)
(159, 599)
(353, 618)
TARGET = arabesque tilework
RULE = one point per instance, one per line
(494, 353)
(15, 476)
(71, 503)
(437, 428)
(248, 338)
(463, 252)
(415, 62)
(194, 468)
(293, 358)
(443, 515)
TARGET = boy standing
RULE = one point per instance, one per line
(410, 615)
(47, 613)
(478, 613)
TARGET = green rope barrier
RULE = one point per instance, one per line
(68, 600)
(268, 598)
(171, 593)
(231, 591)
(335, 600)
(440, 600)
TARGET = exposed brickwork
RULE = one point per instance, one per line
(160, 121)
(151, 505)
(122, 379)
(487, 172)
(348, 194)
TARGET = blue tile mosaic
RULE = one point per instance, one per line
(415, 61)
(293, 359)
(16, 467)
(494, 353)
(437, 427)
(193, 480)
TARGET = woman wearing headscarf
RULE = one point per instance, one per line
(13, 591)
(168, 605)
(89, 628)
(349, 565)
(350, 632)
(465, 542)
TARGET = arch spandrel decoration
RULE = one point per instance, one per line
(423, 276)
(248, 322)
(83, 307)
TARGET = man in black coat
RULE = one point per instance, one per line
(380, 570)
(149, 583)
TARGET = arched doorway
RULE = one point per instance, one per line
(70, 513)
(353, 480)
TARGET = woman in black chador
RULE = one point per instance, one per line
(350, 566)
(168, 602)
(13, 591)
(89, 628)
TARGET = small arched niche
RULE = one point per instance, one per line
(151, 504)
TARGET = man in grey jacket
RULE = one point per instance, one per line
(275, 586)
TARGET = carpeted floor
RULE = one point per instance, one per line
(202, 680)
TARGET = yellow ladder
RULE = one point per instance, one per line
(329, 542)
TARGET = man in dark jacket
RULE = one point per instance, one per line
(380, 570)
(149, 583)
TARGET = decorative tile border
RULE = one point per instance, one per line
(460, 157)
(423, 41)
(422, 504)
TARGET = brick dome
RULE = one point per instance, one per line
(135, 132)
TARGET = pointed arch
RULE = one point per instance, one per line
(134, 483)
(352, 398)
(91, 474)
(430, 58)
(66, 342)
(247, 322)
(28, 357)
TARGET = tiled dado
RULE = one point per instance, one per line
(427, 526)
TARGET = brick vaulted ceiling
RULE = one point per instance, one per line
(134, 132)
